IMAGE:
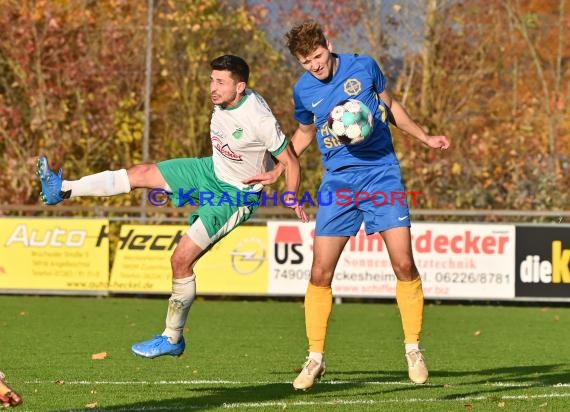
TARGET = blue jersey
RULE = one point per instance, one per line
(356, 77)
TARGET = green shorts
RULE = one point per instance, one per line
(222, 207)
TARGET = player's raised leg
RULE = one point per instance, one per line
(108, 183)
(208, 224)
(318, 306)
(50, 181)
(410, 298)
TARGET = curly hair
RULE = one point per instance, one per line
(304, 38)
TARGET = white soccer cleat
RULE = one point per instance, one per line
(311, 370)
(417, 369)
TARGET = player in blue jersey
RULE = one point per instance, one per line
(369, 166)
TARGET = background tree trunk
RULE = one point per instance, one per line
(428, 58)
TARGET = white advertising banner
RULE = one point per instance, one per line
(456, 261)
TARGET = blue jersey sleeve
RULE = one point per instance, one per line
(302, 115)
(378, 78)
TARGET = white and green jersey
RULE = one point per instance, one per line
(243, 137)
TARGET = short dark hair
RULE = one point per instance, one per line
(234, 64)
(305, 38)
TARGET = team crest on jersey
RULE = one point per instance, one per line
(225, 150)
(238, 133)
(352, 87)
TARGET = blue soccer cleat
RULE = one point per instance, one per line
(158, 346)
(51, 183)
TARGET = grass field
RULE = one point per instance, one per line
(243, 355)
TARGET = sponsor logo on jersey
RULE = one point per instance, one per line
(315, 104)
(225, 150)
(352, 87)
(238, 133)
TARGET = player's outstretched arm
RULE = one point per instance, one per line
(400, 117)
(290, 163)
(301, 139)
(265, 178)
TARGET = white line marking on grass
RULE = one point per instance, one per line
(182, 382)
(297, 403)
(383, 401)
(326, 382)
(333, 402)
(339, 402)
(217, 382)
(387, 383)
(159, 408)
(527, 385)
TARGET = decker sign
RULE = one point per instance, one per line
(456, 261)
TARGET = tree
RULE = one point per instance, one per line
(72, 75)
(69, 76)
(489, 92)
(190, 35)
(539, 23)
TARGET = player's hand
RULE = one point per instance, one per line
(301, 213)
(437, 142)
(266, 178)
(292, 203)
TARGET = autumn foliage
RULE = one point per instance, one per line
(72, 77)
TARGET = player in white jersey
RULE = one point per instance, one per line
(244, 135)
(241, 138)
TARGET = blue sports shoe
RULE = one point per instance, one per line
(51, 183)
(158, 346)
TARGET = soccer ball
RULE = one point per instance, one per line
(351, 121)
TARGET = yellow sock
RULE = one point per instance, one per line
(410, 298)
(318, 308)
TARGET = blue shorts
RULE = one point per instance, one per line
(374, 195)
